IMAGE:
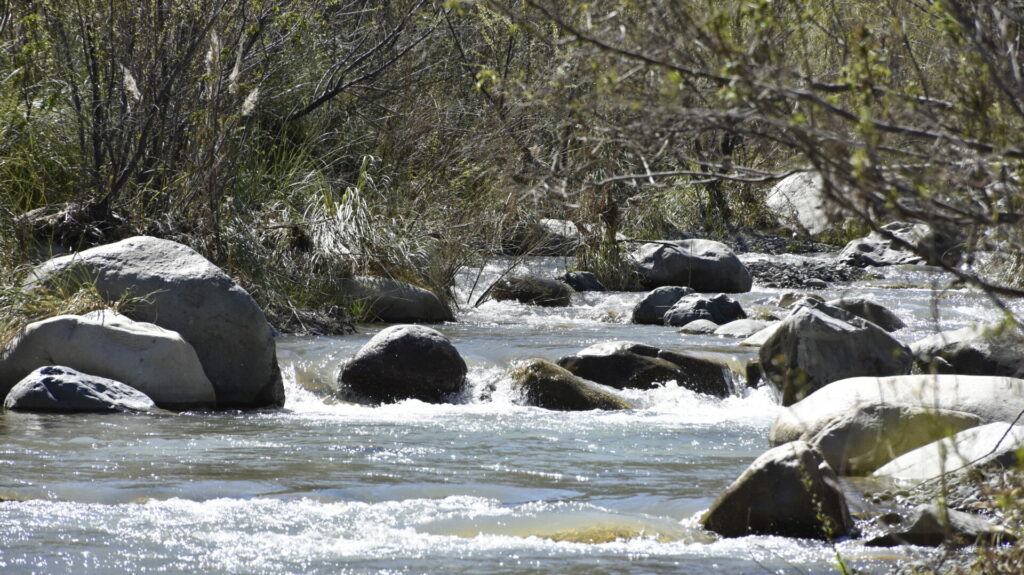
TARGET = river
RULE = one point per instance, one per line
(477, 487)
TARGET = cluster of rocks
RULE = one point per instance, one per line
(855, 408)
(392, 367)
(802, 275)
(192, 338)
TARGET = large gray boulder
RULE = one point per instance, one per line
(800, 204)
(973, 350)
(876, 249)
(404, 362)
(704, 265)
(544, 384)
(996, 443)
(872, 311)
(720, 309)
(989, 398)
(153, 360)
(811, 349)
(62, 389)
(392, 301)
(862, 440)
(183, 292)
(788, 491)
(623, 365)
(532, 290)
(652, 307)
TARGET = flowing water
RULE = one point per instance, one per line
(480, 486)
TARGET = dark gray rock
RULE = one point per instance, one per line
(392, 301)
(62, 389)
(404, 362)
(582, 281)
(651, 309)
(624, 365)
(544, 384)
(933, 526)
(184, 292)
(788, 491)
(864, 308)
(720, 309)
(704, 265)
(532, 290)
(810, 349)
(973, 350)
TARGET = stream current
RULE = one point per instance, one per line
(477, 487)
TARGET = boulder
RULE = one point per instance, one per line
(787, 299)
(989, 398)
(392, 301)
(759, 337)
(788, 491)
(862, 440)
(544, 237)
(404, 362)
(973, 350)
(700, 327)
(532, 290)
(876, 249)
(62, 389)
(800, 204)
(183, 292)
(704, 265)
(811, 349)
(153, 360)
(933, 525)
(651, 309)
(869, 310)
(623, 365)
(741, 328)
(582, 281)
(544, 384)
(720, 309)
(996, 443)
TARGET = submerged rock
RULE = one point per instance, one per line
(582, 281)
(183, 292)
(544, 384)
(989, 398)
(404, 362)
(623, 365)
(700, 327)
(652, 307)
(388, 300)
(810, 349)
(788, 491)
(720, 309)
(532, 290)
(933, 526)
(704, 265)
(153, 360)
(62, 389)
(973, 350)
